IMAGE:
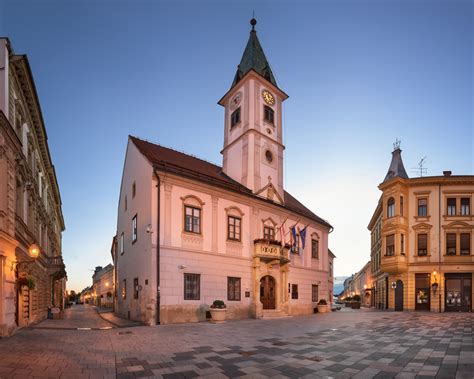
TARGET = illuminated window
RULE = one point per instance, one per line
(124, 289)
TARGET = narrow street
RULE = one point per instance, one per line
(77, 317)
(344, 344)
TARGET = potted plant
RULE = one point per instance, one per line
(323, 306)
(218, 311)
(347, 301)
(26, 282)
(355, 304)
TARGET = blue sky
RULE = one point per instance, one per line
(359, 74)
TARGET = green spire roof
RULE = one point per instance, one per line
(254, 59)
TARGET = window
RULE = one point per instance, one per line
(192, 219)
(422, 244)
(450, 243)
(294, 291)
(268, 232)
(402, 244)
(135, 288)
(314, 248)
(314, 293)
(269, 114)
(465, 243)
(134, 190)
(134, 229)
(422, 207)
(451, 206)
(465, 206)
(401, 205)
(233, 289)
(124, 289)
(192, 285)
(121, 244)
(330, 269)
(233, 228)
(390, 242)
(391, 207)
(125, 203)
(235, 118)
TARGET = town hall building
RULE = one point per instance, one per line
(190, 232)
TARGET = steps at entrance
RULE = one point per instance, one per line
(270, 314)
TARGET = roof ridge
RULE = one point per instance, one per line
(175, 150)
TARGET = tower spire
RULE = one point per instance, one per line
(396, 165)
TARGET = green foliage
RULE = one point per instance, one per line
(356, 298)
(322, 302)
(219, 304)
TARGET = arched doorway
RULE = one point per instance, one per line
(268, 292)
(399, 296)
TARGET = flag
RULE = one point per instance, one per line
(293, 236)
(302, 233)
(282, 233)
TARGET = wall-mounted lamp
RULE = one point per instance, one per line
(181, 267)
(394, 285)
(435, 284)
(149, 229)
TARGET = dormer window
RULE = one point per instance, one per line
(269, 114)
(235, 118)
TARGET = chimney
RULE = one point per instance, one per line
(447, 173)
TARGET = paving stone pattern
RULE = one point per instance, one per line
(346, 344)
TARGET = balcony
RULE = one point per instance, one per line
(394, 264)
(270, 250)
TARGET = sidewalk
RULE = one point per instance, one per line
(108, 315)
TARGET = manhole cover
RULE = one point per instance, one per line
(247, 353)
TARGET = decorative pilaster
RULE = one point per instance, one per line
(215, 230)
(167, 227)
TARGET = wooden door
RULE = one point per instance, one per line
(267, 292)
(399, 296)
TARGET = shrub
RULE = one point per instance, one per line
(218, 304)
(348, 298)
(322, 302)
(356, 298)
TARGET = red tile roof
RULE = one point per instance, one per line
(169, 160)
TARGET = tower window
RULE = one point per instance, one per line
(269, 114)
(269, 156)
(391, 207)
(235, 118)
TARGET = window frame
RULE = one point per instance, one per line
(314, 252)
(235, 117)
(122, 243)
(294, 294)
(233, 228)
(124, 289)
(193, 209)
(391, 207)
(135, 288)
(418, 248)
(465, 208)
(451, 209)
(468, 244)
(422, 206)
(268, 111)
(313, 292)
(451, 243)
(272, 232)
(135, 228)
(390, 252)
(236, 296)
(187, 275)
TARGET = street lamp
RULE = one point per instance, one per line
(34, 251)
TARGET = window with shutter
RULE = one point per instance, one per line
(451, 244)
(465, 244)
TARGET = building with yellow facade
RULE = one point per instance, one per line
(422, 258)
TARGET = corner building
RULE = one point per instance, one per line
(426, 260)
(190, 232)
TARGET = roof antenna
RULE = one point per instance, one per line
(421, 170)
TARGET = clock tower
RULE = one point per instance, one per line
(253, 143)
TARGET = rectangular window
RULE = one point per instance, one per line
(330, 269)
(402, 244)
(451, 203)
(233, 289)
(401, 205)
(124, 289)
(122, 248)
(450, 243)
(125, 203)
(465, 206)
(422, 207)
(294, 291)
(192, 219)
(422, 291)
(134, 189)
(269, 114)
(314, 249)
(135, 288)
(390, 242)
(423, 244)
(465, 243)
(268, 232)
(314, 293)
(235, 117)
(134, 229)
(192, 287)
(233, 228)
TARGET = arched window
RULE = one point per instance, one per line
(391, 207)
(192, 214)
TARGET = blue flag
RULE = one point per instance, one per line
(293, 235)
(303, 236)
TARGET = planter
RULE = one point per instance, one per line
(355, 305)
(323, 308)
(218, 314)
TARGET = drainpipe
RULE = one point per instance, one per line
(158, 220)
(439, 244)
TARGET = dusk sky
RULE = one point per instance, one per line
(359, 75)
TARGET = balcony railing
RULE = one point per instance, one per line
(271, 250)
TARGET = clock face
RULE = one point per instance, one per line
(268, 97)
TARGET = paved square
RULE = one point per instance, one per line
(346, 344)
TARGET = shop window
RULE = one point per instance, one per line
(294, 291)
(192, 286)
(465, 243)
(422, 244)
(233, 289)
(314, 293)
(422, 291)
(450, 243)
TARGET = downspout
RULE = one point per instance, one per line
(439, 244)
(158, 220)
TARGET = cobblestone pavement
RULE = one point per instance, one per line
(346, 344)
